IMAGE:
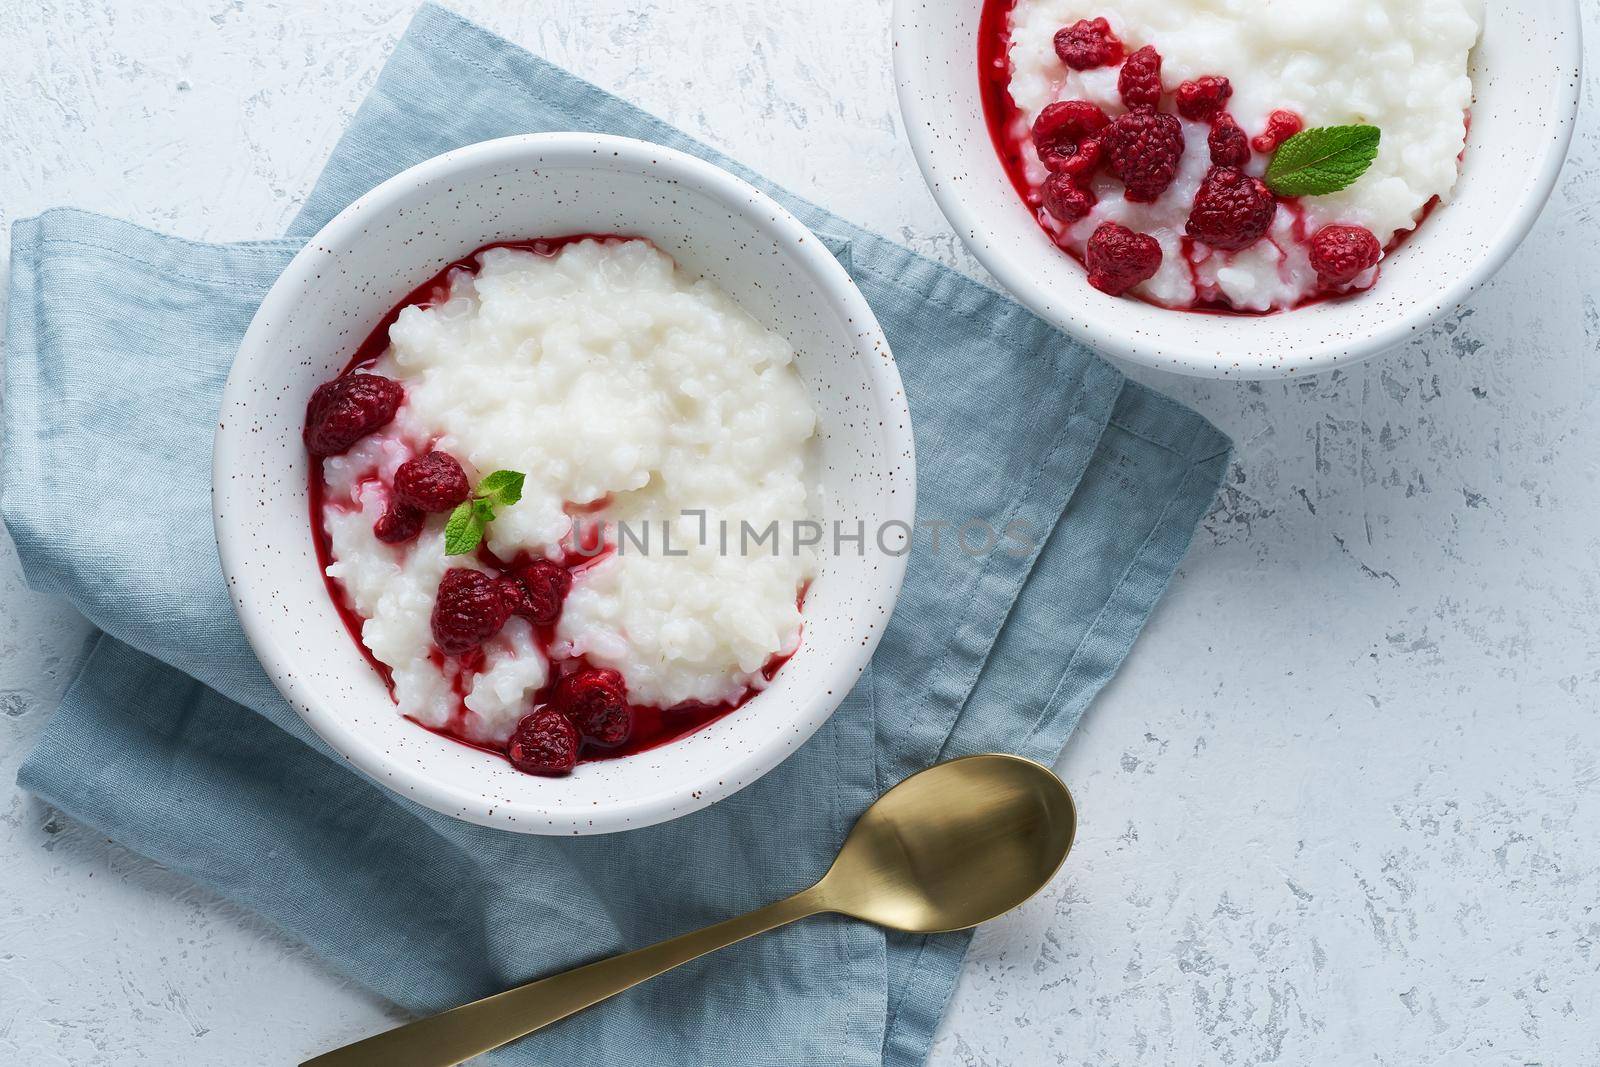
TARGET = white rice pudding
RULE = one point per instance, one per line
(1400, 65)
(622, 389)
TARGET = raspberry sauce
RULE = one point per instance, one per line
(652, 726)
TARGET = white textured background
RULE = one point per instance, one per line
(1340, 807)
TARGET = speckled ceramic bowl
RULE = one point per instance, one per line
(401, 233)
(1526, 78)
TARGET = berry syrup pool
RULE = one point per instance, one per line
(1140, 134)
(476, 461)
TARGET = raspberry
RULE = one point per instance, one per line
(1340, 253)
(468, 610)
(543, 584)
(1232, 210)
(1202, 98)
(345, 410)
(1065, 199)
(1281, 125)
(516, 597)
(1088, 43)
(544, 742)
(431, 482)
(1063, 132)
(1230, 147)
(399, 524)
(1081, 165)
(1143, 148)
(596, 700)
(1118, 259)
(1140, 80)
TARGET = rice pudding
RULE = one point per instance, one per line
(556, 405)
(1143, 134)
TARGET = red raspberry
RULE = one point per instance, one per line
(596, 700)
(542, 585)
(516, 597)
(544, 742)
(1088, 43)
(1202, 98)
(1140, 80)
(1063, 132)
(1143, 148)
(399, 524)
(1081, 165)
(468, 610)
(1118, 259)
(345, 410)
(1232, 210)
(1340, 253)
(1065, 199)
(1281, 125)
(431, 482)
(1230, 147)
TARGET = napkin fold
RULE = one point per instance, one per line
(172, 740)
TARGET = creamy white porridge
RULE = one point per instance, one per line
(1399, 65)
(625, 392)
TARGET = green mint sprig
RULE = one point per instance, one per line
(1322, 160)
(463, 531)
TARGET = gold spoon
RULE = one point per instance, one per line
(946, 849)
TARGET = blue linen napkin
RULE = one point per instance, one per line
(172, 740)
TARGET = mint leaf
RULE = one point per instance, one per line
(1322, 160)
(501, 487)
(464, 529)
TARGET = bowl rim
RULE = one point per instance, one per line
(252, 363)
(1120, 335)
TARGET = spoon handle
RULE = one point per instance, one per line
(461, 1033)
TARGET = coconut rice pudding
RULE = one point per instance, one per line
(513, 485)
(1224, 154)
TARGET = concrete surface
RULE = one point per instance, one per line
(1339, 808)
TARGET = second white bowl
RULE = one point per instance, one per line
(1525, 74)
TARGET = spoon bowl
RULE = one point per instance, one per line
(954, 846)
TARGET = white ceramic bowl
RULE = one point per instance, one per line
(1525, 74)
(401, 233)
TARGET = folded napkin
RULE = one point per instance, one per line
(173, 741)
